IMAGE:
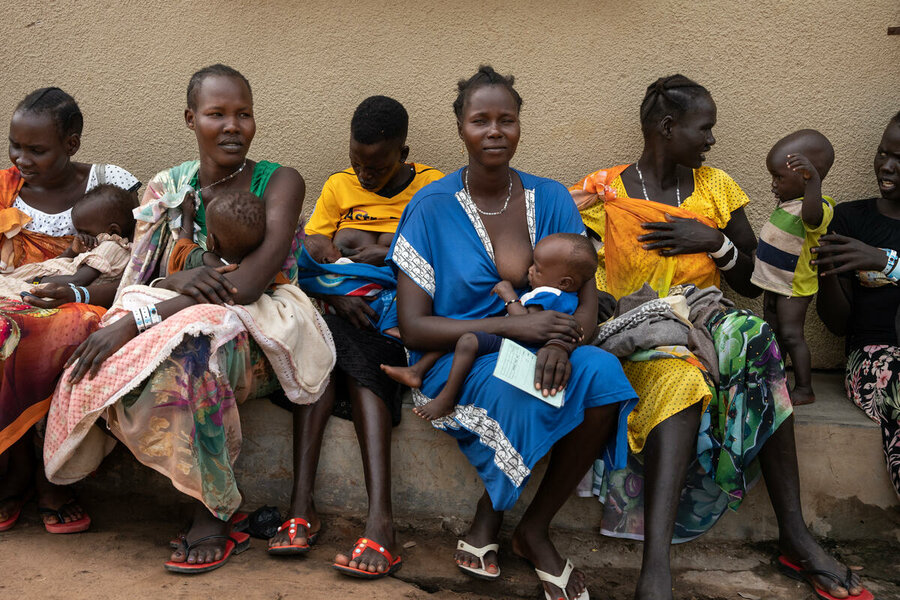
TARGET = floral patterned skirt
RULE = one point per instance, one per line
(183, 421)
(750, 402)
(873, 383)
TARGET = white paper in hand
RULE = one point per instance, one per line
(515, 366)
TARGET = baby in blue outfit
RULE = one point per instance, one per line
(562, 263)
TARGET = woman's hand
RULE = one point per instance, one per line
(676, 235)
(353, 309)
(99, 346)
(206, 285)
(541, 327)
(839, 254)
(49, 295)
(552, 371)
(371, 254)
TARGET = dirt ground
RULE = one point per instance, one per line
(121, 556)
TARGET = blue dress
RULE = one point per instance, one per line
(443, 246)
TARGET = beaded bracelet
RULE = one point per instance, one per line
(508, 302)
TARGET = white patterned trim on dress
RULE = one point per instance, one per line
(472, 212)
(407, 258)
(529, 215)
(489, 432)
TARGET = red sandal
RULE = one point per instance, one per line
(806, 575)
(292, 548)
(362, 544)
(234, 544)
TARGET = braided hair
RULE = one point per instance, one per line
(486, 75)
(60, 105)
(673, 95)
(217, 69)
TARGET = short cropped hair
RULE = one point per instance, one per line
(379, 118)
(113, 203)
(238, 220)
(217, 69)
(582, 259)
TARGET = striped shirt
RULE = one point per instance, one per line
(783, 254)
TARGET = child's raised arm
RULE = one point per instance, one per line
(812, 212)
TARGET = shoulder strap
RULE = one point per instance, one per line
(100, 172)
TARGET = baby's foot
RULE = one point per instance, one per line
(436, 409)
(408, 376)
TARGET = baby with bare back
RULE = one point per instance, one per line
(235, 227)
(562, 263)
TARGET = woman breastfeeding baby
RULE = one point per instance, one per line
(45, 199)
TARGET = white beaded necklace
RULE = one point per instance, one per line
(644, 188)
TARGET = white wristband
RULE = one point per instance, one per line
(726, 246)
(730, 265)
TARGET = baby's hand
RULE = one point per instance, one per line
(800, 164)
(505, 290)
(187, 207)
(83, 243)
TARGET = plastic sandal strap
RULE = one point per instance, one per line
(477, 552)
(561, 581)
(363, 543)
(195, 543)
(291, 526)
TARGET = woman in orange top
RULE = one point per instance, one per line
(36, 198)
(694, 436)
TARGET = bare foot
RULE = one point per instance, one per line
(438, 408)
(809, 555)
(208, 552)
(800, 396)
(370, 560)
(535, 547)
(408, 376)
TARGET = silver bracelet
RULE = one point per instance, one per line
(77, 293)
(727, 245)
(155, 281)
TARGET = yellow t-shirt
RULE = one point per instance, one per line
(344, 203)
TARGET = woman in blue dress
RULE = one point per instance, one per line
(457, 238)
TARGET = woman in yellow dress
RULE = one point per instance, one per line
(698, 440)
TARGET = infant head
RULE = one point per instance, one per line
(788, 184)
(105, 209)
(564, 261)
(235, 225)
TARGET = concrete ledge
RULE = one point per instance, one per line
(846, 491)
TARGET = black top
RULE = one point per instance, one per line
(873, 310)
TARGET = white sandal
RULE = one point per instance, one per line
(561, 581)
(480, 573)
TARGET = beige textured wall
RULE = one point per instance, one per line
(772, 67)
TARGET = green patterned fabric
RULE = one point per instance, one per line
(750, 402)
